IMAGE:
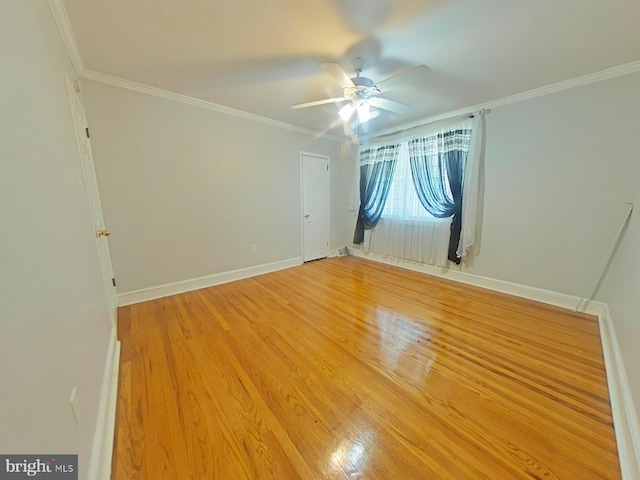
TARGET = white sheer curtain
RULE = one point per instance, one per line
(406, 230)
(473, 191)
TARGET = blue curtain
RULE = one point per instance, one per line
(437, 168)
(377, 166)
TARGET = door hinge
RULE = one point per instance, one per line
(327, 244)
(86, 129)
(76, 86)
(327, 168)
(113, 280)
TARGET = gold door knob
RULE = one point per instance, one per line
(103, 233)
(306, 216)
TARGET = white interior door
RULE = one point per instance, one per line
(91, 187)
(315, 208)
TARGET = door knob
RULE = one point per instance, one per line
(306, 216)
(103, 233)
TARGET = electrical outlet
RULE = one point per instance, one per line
(75, 405)
(253, 248)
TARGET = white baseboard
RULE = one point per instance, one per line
(524, 291)
(102, 449)
(137, 296)
(623, 409)
(625, 419)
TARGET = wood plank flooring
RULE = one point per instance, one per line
(348, 369)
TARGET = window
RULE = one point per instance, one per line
(403, 202)
(408, 228)
(420, 195)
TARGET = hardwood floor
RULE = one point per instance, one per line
(348, 369)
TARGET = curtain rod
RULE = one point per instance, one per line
(484, 111)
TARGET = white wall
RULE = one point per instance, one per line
(186, 190)
(54, 323)
(621, 291)
(558, 171)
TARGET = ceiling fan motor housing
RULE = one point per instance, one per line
(363, 90)
(362, 82)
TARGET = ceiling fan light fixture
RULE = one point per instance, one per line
(346, 111)
(364, 112)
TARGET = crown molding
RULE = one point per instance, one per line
(61, 18)
(609, 73)
(196, 102)
(66, 32)
(614, 72)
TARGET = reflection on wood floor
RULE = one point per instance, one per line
(344, 368)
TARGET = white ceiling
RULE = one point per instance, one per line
(263, 56)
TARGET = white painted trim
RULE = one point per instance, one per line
(66, 32)
(625, 419)
(143, 295)
(524, 291)
(196, 102)
(102, 449)
(623, 410)
(614, 72)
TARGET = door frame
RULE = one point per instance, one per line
(89, 180)
(328, 159)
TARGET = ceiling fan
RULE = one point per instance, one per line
(362, 93)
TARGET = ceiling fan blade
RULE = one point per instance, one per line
(390, 105)
(338, 74)
(403, 78)
(318, 102)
